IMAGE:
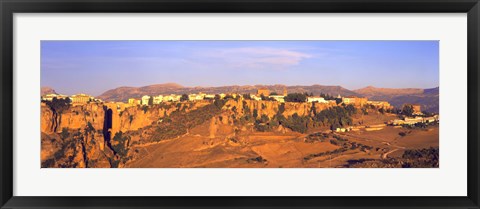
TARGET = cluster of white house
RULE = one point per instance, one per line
(414, 120)
(397, 123)
(360, 127)
(262, 93)
(145, 100)
(74, 99)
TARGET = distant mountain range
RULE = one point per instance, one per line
(123, 93)
(47, 90)
(428, 98)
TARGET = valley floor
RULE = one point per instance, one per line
(282, 149)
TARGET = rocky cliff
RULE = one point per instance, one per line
(271, 108)
(76, 117)
(86, 135)
(130, 119)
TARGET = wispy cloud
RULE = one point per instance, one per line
(257, 57)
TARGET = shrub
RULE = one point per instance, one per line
(90, 127)
(296, 97)
(178, 122)
(336, 117)
(64, 134)
(297, 123)
(281, 108)
(130, 118)
(255, 113)
(121, 147)
(184, 97)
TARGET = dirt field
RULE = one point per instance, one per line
(281, 150)
(392, 144)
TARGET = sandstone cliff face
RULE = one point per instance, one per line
(76, 117)
(221, 125)
(270, 108)
(77, 149)
(134, 118)
(91, 146)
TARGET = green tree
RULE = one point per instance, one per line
(247, 96)
(381, 110)
(150, 101)
(266, 98)
(281, 109)
(219, 102)
(327, 96)
(296, 97)
(336, 116)
(121, 144)
(297, 123)
(59, 105)
(64, 133)
(313, 110)
(68, 100)
(338, 100)
(184, 98)
(90, 127)
(264, 118)
(407, 110)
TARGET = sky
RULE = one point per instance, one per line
(93, 67)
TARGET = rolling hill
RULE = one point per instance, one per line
(428, 98)
(123, 93)
(47, 90)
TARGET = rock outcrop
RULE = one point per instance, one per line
(83, 135)
(271, 108)
(76, 117)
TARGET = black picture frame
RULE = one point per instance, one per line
(10, 7)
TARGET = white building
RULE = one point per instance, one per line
(209, 96)
(81, 98)
(255, 97)
(133, 101)
(412, 121)
(145, 100)
(158, 99)
(171, 98)
(279, 98)
(195, 97)
(49, 97)
(176, 98)
(316, 99)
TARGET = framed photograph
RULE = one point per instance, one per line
(239, 104)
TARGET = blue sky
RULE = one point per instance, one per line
(94, 67)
